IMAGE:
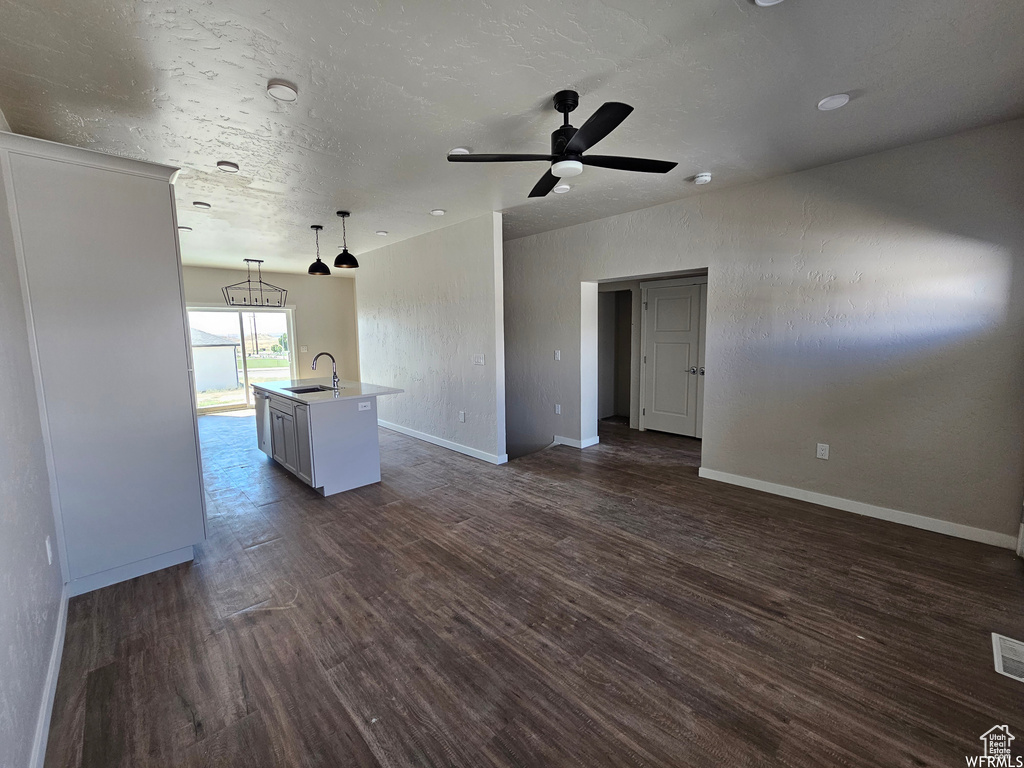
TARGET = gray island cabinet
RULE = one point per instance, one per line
(325, 437)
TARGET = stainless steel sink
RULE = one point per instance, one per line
(309, 389)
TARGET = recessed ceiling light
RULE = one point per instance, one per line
(227, 166)
(437, 212)
(561, 189)
(282, 90)
(382, 232)
(767, 3)
(185, 229)
(458, 151)
(702, 178)
(201, 204)
(834, 102)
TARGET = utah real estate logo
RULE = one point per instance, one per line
(998, 753)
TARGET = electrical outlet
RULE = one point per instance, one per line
(462, 416)
(822, 451)
(49, 551)
(558, 409)
(478, 360)
(558, 354)
(303, 348)
(365, 405)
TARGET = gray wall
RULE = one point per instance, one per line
(30, 589)
(614, 354)
(874, 304)
(605, 355)
(623, 350)
(426, 306)
(325, 312)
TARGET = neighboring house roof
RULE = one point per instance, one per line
(204, 339)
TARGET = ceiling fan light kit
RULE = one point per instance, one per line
(565, 169)
(568, 145)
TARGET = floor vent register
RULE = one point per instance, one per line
(1009, 655)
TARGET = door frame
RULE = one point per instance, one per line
(288, 309)
(666, 283)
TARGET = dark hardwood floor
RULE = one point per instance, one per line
(572, 608)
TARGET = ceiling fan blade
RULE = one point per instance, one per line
(546, 184)
(628, 163)
(600, 124)
(498, 158)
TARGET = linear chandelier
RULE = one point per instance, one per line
(250, 293)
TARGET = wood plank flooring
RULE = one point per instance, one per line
(573, 608)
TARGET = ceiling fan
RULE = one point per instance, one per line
(568, 145)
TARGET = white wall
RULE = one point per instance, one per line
(30, 589)
(325, 313)
(874, 304)
(426, 306)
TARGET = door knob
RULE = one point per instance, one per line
(693, 371)
(702, 370)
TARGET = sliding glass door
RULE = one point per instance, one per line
(233, 348)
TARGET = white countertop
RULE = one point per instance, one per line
(347, 390)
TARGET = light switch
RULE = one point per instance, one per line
(558, 354)
(364, 406)
(478, 359)
(303, 348)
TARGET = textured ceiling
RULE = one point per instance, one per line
(386, 89)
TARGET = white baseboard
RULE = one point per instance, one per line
(491, 458)
(559, 440)
(868, 510)
(50, 691)
(130, 571)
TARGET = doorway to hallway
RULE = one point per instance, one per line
(650, 352)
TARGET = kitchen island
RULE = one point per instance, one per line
(326, 437)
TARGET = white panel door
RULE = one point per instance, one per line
(102, 266)
(700, 359)
(671, 358)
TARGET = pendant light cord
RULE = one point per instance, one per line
(344, 234)
(317, 231)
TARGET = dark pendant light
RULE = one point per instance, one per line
(318, 268)
(345, 260)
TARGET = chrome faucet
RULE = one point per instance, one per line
(334, 366)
